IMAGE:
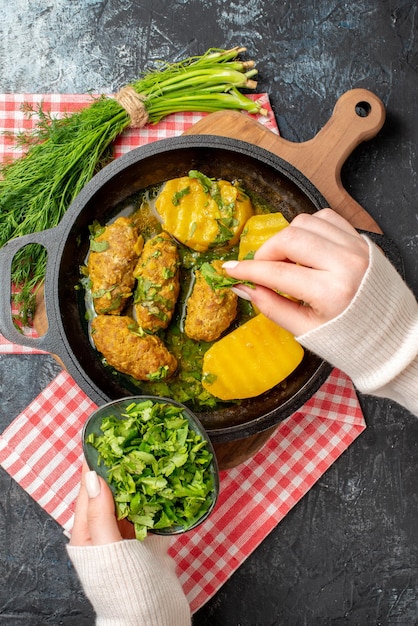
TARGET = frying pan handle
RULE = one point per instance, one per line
(358, 116)
(49, 239)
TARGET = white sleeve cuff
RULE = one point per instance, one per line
(375, 340)
(132, 583)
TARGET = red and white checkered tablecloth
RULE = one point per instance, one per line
(41, 449)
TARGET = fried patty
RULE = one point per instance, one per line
(158, 285)
(112, 259)
(131, 351)
(209, 311)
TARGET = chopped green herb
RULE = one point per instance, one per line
(159, 467)
(169, 272)
(103, 292)
(98, 246)
(209, 378)
(206, 182)
(96, 229)
(179, 195)
(219, 281)
(192, 229)
(145, 290)
(224, 233)
(160, 374)
(136, 330)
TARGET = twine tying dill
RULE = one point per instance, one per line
(133, 103)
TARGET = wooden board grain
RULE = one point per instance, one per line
(358, 116)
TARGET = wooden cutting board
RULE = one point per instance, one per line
(357, 117)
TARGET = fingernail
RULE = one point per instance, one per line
(241, 293)
(229, 264)
(92, 484)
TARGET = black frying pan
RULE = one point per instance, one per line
(263, 173)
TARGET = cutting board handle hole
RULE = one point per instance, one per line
(363, 109)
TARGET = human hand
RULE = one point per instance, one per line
(319, 260)
(95, 521)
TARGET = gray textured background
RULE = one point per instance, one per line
(348, 552)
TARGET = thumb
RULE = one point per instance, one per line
(101, 518)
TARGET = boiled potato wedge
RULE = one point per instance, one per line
(250, 360)
(203, 216)
(257, 230)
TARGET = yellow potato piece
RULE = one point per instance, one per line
(250, 360)
(257, 230)
(199, 219)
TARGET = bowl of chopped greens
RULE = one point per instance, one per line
(158, 461)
